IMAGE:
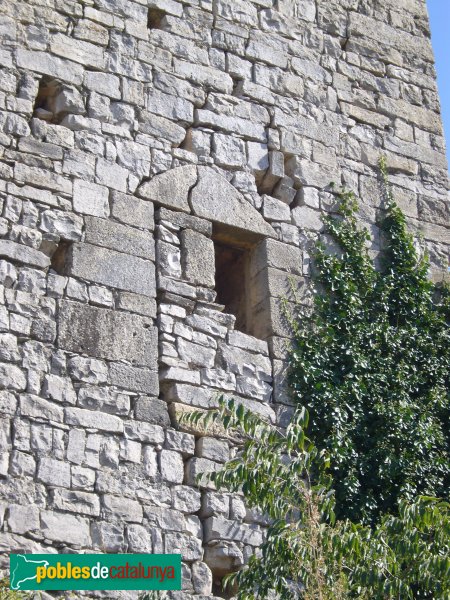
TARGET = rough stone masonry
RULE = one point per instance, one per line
(164, 166)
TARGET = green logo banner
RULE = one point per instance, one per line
(95, 571)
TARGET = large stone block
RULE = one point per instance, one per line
(215, 199)
(61, 527)
(106, 333)
(94, 419)
(171, 188)
(115, 236)
(197, 258)
(23, 254)
(134, 379)
(111, 268)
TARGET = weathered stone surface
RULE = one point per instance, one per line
(215, 199)
(90, 198)
(23, 254)
(188, 546)
(122, 508)
(134, 379)
(93, 419)
(76, 502)
(106, 333)
(170, 189)
(37, 408)
(54, 472)
(12, 378)
(22, 519)
(114, 236)
(197, 258)
(115, 269)
(61, 527)
(131, 210)
(152, 410)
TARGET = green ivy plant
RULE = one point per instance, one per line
(371, 364)
(307, 553)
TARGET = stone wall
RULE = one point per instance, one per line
(143, 144)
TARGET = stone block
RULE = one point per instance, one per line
(40, 177)
(101, 398)
(93, 419)
(170, 189)
(134, 379)
(215, 199)
(181, 442)
(61, 527)
(108, 537)
(224, 557)
(144, 432)
(111, 175)
(132, 211)
(185, 221)
(150, 462)
(169, 106)
(276, 210)
(162, 128)
(204, 76)
(218, 528)
(37, 408)
(118, 335)
(201, 578)
(88, 370)
(121, 508)
(188, 546)
(152, 410)
(195, 354)
(231, 124)
(228, 151)
(59, 389)
(197, 258)
(79, 51)
(136, 303)
(111, 268)
(271, 253)
(103, 83)
(23, 254)
(171, 466)
(108, 234)
(90, 198)
(12, 378)
(54, 472)
(197, 470)
(45, 63)
(83, 478)
(23, 519)
(76, 502)
(213, 449)
(139, 539)
(307, 218)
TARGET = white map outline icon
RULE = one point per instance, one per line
(16, 586)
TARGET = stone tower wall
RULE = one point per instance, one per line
(163, 168)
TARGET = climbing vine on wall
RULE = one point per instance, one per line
(370, 375)
(371, 364)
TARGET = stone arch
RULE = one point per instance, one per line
(203, 192)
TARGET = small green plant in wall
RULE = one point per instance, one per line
(355, 487)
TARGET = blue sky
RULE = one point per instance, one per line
(439, 11)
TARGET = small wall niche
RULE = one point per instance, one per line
(155, 18)
(234, 253)
(44, 105)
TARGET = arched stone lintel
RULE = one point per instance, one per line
(203, 192)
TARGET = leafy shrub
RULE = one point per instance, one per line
(371, 364)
